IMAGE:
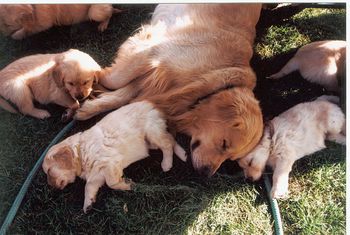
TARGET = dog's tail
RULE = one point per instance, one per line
(7, 106)
(291, 66)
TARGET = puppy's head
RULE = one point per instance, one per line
(253, 164)
(14, 17)
(61, 166)
(225, 126)
(76, 72)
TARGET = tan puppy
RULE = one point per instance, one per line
(300, 131)
(187, 52)
(320, 62)
(62, 79)
(100, 154)
(22, 20)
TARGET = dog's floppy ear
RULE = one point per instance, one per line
(64, 157)
(113, 175)
(57, 73)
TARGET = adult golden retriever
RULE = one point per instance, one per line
(182, 61)
(22, 20)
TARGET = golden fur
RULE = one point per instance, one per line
(62, 78)
(22, 20)
(187, 52)
(100, 154)
(321, 62)
(299, 131)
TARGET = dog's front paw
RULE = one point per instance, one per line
(166, 165)
(180, 152)
(41, 114)
(85, 112)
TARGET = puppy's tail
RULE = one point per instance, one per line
(291, 66)
(7, 106)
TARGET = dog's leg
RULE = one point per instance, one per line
(291, 66)
(91, 188)
(102, 13)
(108, 101)
(179, 100)
(280, 177)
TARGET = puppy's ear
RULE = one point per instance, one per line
(113, 175)
(64, 157)
(57, 73)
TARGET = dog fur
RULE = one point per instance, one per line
(300, 131)
(100, 154)
(187, 52)
(62, 78)
(22, 20)
(321, 62)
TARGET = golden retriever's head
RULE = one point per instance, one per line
(224, 126)
(14, 17)
(253, 164)
(76, 72)
(61, 166)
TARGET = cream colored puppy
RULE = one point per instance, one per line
(100, 154)
(22, 20)
(318, 62)
(62, 78)
(299, 131)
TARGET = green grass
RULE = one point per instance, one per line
(179, 201)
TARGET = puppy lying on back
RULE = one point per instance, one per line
(298, 132)
(62, 79)
(22, 20)
(100, 154)
(320, 62)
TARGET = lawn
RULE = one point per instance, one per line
(179, 201)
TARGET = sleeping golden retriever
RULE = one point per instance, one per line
(321, 62)
(22, 20)
(100, 154)
(299, 131)
(182, 62)
(63, 79)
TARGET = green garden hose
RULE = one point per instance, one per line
(22, 192)
(274, 208)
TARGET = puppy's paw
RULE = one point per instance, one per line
(41, 114)
(19, 35)
(88, 204)
(279, 193)
(166, 165)
(180, 152)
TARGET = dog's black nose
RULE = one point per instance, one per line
(195, 145)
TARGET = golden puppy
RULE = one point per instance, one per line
(300, 131)
(184, 51)
(100, 154)
(22, 20)
(62, 78)
(321, 62)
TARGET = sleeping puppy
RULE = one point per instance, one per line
(321, 62)
(22, 20)
(300, 131)
(100, 154)
(62, 78)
